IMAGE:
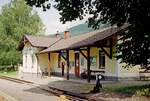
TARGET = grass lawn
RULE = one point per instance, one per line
(9, 73)
(140, 88)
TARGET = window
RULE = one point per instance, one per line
(93, 60)
(82, 61)
(101, 59)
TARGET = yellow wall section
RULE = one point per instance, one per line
(72, 59)
(110, 64)
(43, 61)
(95, 52)
(54, 60)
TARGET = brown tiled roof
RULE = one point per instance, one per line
(84, 39)
(38, 41)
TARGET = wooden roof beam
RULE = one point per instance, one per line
(83, 54)
(108, 54)
(62, 55)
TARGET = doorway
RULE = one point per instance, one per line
(77, 65)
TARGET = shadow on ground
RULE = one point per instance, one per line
(85, 88)
(78, 88)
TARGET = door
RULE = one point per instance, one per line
(77, 65)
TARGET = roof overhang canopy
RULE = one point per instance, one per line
(37, 41)
(87, 39)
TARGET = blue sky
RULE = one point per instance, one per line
(50, 19)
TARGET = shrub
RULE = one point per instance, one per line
(143, 92)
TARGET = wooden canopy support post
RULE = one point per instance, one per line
(63, 57)
(49, 68)
(109, 54)
(104, 45)
(105, 52)
(67, 53)
(88, 65)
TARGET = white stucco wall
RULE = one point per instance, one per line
(30, 64)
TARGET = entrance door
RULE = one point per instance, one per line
(77, 65)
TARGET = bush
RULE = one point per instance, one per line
(8, 68)
(143, 92)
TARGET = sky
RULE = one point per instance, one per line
(50, 19)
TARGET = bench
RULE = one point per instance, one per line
(93, 73)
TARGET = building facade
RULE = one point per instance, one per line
(90, 53)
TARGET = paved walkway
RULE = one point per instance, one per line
(6, 97)
(25, 92)
(73, 85)
(44, 80)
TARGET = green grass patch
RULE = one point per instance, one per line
(140, 90)
(9, 73)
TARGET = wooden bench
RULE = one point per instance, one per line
(96, 72)
(93, 73)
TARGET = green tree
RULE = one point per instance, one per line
(16, 19)
(134, 48)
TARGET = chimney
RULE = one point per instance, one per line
(66, 34)
(57, 35)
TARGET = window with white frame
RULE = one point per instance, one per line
(101, 59)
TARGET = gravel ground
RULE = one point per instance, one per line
(24, 92)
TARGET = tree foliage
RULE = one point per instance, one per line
(134, 48)
(16, 19)
(40, 3)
